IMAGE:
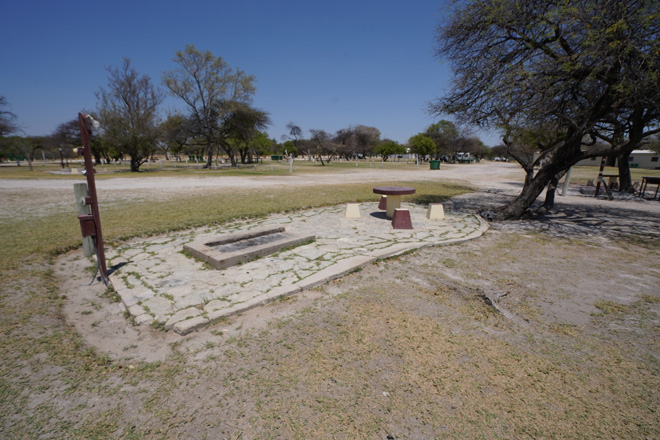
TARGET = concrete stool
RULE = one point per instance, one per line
(383, 203)
(352, 210)
(401, 219)
(435, 211)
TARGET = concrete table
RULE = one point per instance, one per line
(393, 194)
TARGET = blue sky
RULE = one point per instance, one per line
(321, 65)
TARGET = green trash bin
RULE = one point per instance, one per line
(435, 164)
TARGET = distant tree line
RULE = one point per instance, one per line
(217, 119)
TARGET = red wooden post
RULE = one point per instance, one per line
(85, 132)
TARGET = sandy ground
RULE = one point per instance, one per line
(51, 196)
(497, 182)
(576, 217)
(538, 329)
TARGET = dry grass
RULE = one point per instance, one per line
(582, 174)
(407, 348)
(263, 168)
(52, 234)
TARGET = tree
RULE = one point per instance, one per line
(653, 144)
(261, 144)
(352, 141)
(323, 143)
(295, 132)
(389, 148)
(422, 145)
(554, 76)
(25, 147)
(211, 90)
(443, 134)
(128, 112)
(8, 123)
(65, 137)
(175, 135)
(288, 148)
(243, 124)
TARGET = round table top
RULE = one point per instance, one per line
(394, 190)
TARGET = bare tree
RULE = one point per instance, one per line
(211, 90)
(295, 133)
(323, 143)
(128, 112)
(8, 124)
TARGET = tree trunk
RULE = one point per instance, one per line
(550, 194)
(209, 157)
(551, 190)
(534, 185)
(515, 209)
(135, 164)
(625, 178)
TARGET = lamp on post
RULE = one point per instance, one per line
(91, 226)
(61, 158)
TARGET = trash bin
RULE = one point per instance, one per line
(435, 164)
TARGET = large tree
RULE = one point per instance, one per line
(128, 112)
(358, 140)
(444, 135)
(389, 148)
(554, 76)
(243, 125)
(422, 145)
(212, 92)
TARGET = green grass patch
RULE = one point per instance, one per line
(58, 233)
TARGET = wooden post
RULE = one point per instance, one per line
(85, 132)
(80, 192)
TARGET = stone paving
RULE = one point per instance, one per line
(158, 283)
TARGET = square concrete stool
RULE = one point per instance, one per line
(352, 210)
(401, 219)
(382, 205)
(435, 211)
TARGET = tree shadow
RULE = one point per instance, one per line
(608, 220)
(572, 218)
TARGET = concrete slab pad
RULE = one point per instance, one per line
(180, 285)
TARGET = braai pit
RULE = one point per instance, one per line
(232, 249)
